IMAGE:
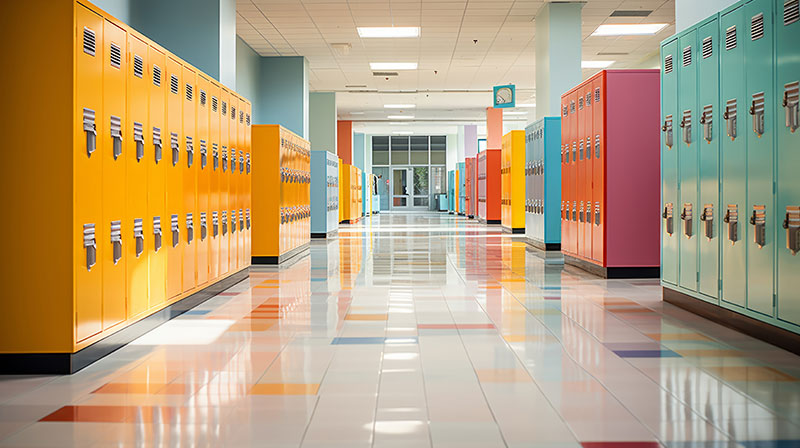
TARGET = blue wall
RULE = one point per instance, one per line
(283, 92)
(248, 70)
(120, 9)
(358, 151)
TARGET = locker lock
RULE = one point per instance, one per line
(686, 217)
(791, 105)
(668, 221)
(757, 109)
(759, 222)
(732, 220)
(730, 118)
(706, 119)
(686, 126)
(792, 226)
(708, 220)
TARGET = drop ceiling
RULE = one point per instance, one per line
(465, 48)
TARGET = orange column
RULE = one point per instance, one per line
(344, 141)
(494, 128)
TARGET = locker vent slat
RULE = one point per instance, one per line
(791, 11)
(156, 75)
(757, 26)
(597, 94)
(668, 64)
(202, 97)
(89, 41)
(189, 92)
(138, 66)
(708, 48)
(233, 113)
(224, 109)
(730, 38)
(214, 103)
(173, 84)
(241, 117)
(687, 56)
(247, 119)
(115, 55)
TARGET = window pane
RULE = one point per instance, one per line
(421, 202)
(380, 143)
(438, 157)
(380, 157)
(399, 158)
(438, 143)
(419, 143)
(399, 143)
(438, 179)
(400, 201)
(421, 180)
(419, 157)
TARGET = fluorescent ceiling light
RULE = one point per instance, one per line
(356, 113)
(399, 106)
(393, 65)
(398, 123)
(388, 31)
(596, 64)
(515, 113)
(402, 132)
(525, 105)
(400, 117)
(629, 29)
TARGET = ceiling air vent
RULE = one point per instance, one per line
(89, 41)
(708, 49)
(384, 74)
(791, 11)
(687, 56)
(156, 75)
(173, 84)
(115, 55)
(757, 26)
(138, 66)
(730, 38)
(668, 64)
(202, 97)
(189, 92)
(214, 103)
(631, 13)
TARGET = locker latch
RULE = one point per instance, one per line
(90, 129)
(708, 219)
(668, 221)
(115, 129)
(241, 162)
(116, 240)
(686, 217)
(597, 213)
(189, 152)
(732, 220)
(247, 163)
(156, 233)
(176, 230)
(247, 218)
(157, 144)
(562, 211)
(233, 160)
(224, 158)
(138, 236)
(175, 145)
(564, 150)
(580, 150)
(759, 222)
(203, 226)
(90, 244)
(574, 210)
(224, 223)
(580, 212)
(138, 137)
(189, 228)
(233, 221)
(214, 224)
(757, 108)
(203, 154)
(667, 130)
(574, 151)
(707, 119)
(241, 219)
(686, 125)
(730, 118)
(215, 156)
(791, 105)
(792, 226)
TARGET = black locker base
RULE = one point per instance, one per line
(283, 258)
(68, 363)
(541, 245)
(614, 272)
(514, 230)
(329, 234)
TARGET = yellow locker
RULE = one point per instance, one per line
(137, 121)
(190, 215)
(88, 173)
(247, 184)
(233, 203)
(215, 174)
(157, 147)
(240, 184)
(224, 181)
(115, 43)
(203, 180)
(174, 211)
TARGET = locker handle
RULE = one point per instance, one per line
(189, 152)
(116, 240)
(157, 233)
(138, 236)
(115, 130)
(727, 217)
(157, 144)
(90, 128)
(138, 137)
(90, 244)
(175, 145)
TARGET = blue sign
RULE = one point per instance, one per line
(505, 96)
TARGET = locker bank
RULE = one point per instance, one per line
(453, 223)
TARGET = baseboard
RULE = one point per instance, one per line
(777, 336)
(329, 234)
(68, 363)
(493, 221)
(613, 271)
(286, 256)
(513, 230)
(541, 245)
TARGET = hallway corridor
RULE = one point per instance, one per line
(422, 330)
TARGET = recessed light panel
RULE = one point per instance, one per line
(400, 117)
(393, 65)
(629, 29)
(399, 106)
(388, 31)
(596, 64)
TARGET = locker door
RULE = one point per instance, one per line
(172, 225)
(215, 172)
(573, 174)
(88, 248)
(113, 227)
(190, 220)
(787, 31)
(598, 143)
(233, 188)
(203, 179)
(708, 149)
(247, 184)
(588, 171)
(759, 98)
(687, 147)
(136, 220)
(240, 184)
(157, 157)
(733, 151)
(565, 157)
(224, 181)
(581, 167)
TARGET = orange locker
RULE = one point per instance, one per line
(157, 216)
(565, 179)
(174, 191)
(598, 171)
(136, 219)
(203, 170)
(573, 174)
(584, 181)
(247, 184)
(189, 167)
(215, 171)
(224, 182)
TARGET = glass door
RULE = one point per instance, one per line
(421, 190)
(400, 191)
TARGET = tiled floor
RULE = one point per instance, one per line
(417, 331)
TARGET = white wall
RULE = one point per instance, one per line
(452, 151)
(689, 12)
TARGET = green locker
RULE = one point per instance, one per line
(787, 35)
(669, 163)
(760, 98)
(708, 152)
(733, 151)
(687, 159)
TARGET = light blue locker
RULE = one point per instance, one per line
(759, 72)
(550, 181)
(688, 159)
(530, 155)
(786, 109)
(451, 191)
(670, 133)
(708, 149)
(462, 188)
(733, 152)
(324, 193)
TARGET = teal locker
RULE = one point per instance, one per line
(687, 145)
(669, 163)
(708, 151)
(733, 150)
(760, 235)
(786, 108)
